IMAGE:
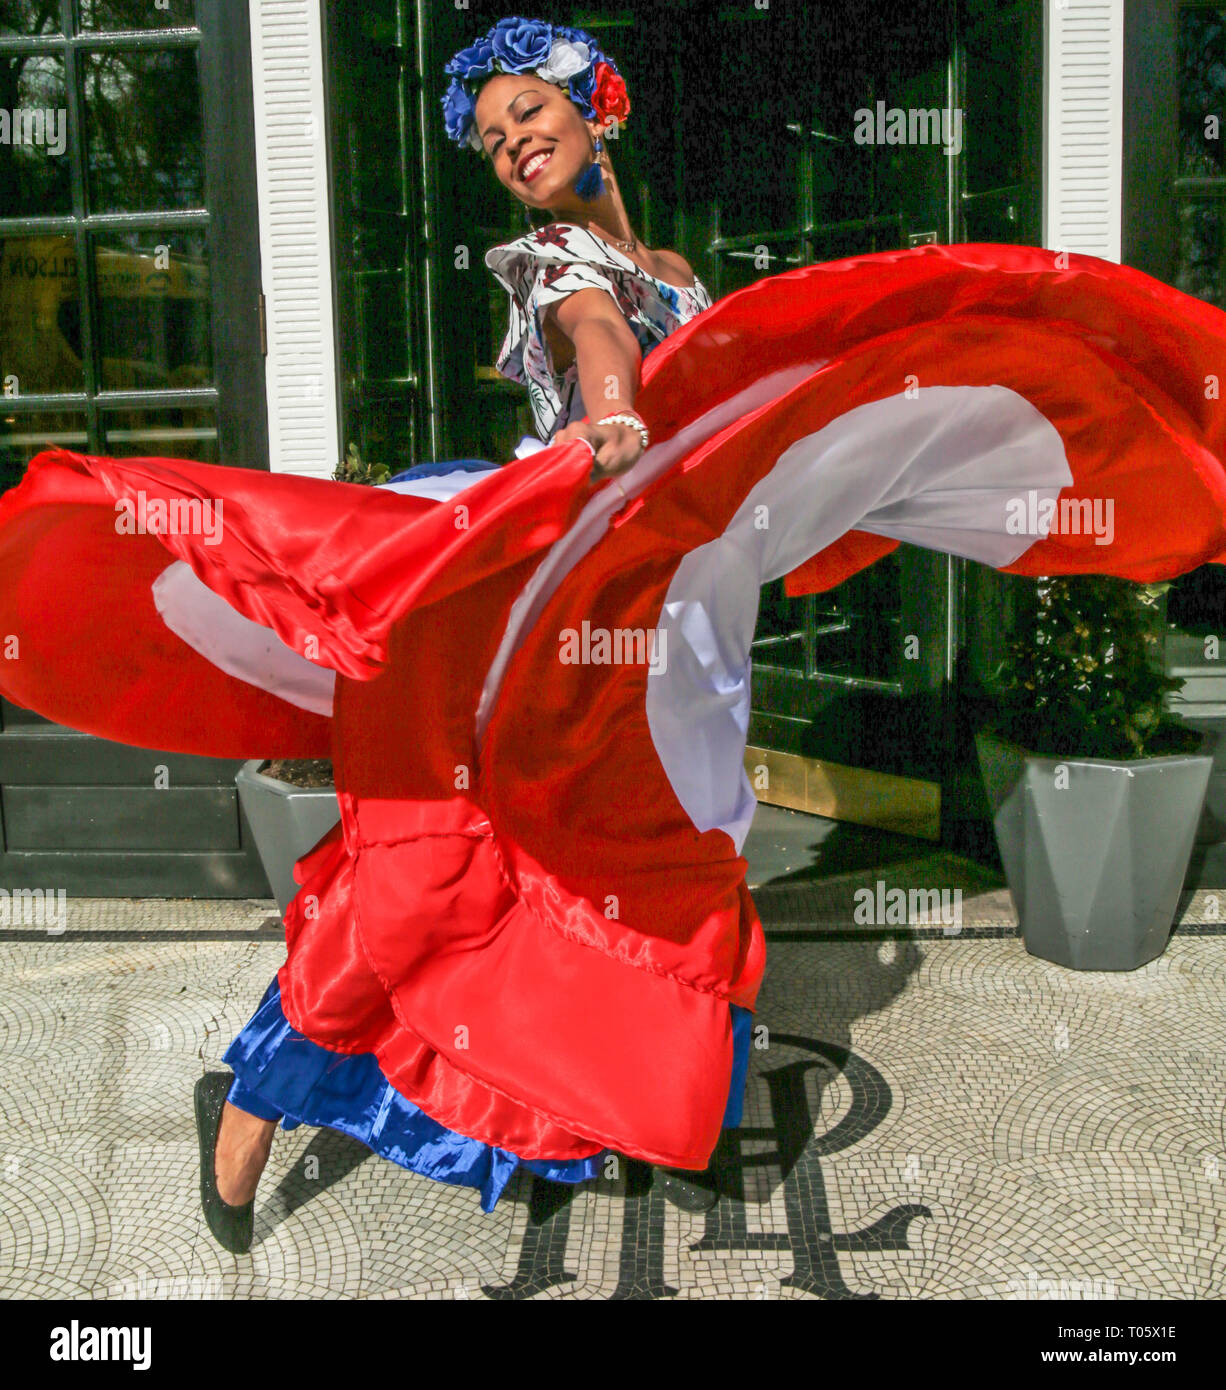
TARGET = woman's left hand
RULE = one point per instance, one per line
(617, 447)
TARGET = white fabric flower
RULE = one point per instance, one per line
(564, 61)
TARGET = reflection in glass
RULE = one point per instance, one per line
(745, 265)
(1202, 91)
(153, 310)
(40, 316)
(779, 638)
(1201, 262)
(143, 127)
(136, 14)
(29, 19)
(385, 335)
(374, 146)
(190, 433)
(23, 436)
(34, 135)
(995, 111)
(849, 631)
(379, 275)
(387, 425)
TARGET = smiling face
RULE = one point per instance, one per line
(535, 137)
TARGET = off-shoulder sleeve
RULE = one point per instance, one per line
(554, 282)
(534, 284)
(537, 272)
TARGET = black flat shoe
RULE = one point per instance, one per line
(690, 1191)
(232, 1227)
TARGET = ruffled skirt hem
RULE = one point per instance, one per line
(279, 1073)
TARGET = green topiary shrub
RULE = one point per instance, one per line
(1089, 680)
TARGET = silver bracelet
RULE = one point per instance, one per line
(621, 418)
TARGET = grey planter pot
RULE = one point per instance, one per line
(286, 822)
(1095, 868)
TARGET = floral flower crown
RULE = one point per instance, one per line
(566, 57)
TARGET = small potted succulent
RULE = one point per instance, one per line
(290, 803)
(1095, 789)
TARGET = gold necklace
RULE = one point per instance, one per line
(617, 241)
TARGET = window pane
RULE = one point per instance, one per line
(998, 217)
(34, 165)
(23, 436)
(997, 101)
(748, 155)
(384, 430)
(851, 630)
(29, 18)
(40, 316)
(1202, 91)
(769, 257)
(779, 638)
(379, 277)
(153, 310)
(375, 149)
(179, 434)
(385, 341)
(1201, 251)
(143, 114)
(499, 319)
(136, 14)
(858, 623)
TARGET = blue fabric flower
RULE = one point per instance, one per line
(458, 111)
(521, 44)
(514, 45)
(575, 35)
(474, 61)
(582, 85)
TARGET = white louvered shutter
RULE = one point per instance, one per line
(1083, 126)
(295, 238)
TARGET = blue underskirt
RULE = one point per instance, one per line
(281, 1075)
(435, 470)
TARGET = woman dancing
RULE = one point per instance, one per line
(588, 302)
(528, 941)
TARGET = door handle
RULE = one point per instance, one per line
(798, 129)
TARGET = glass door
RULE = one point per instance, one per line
(128, 244)
(130, 324)
(854, 711)
(847, 689)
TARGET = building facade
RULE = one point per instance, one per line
(248, 241)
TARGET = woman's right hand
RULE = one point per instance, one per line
(615, 448)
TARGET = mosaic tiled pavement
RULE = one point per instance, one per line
(935, 1116)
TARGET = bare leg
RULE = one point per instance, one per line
(243, 1144)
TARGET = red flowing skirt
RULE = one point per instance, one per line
(533, 910)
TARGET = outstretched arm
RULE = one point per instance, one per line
(609, 362)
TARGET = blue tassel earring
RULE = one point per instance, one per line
(591, 184)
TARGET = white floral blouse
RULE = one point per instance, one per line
(548, 264)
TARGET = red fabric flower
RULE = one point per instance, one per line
(609, 94)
